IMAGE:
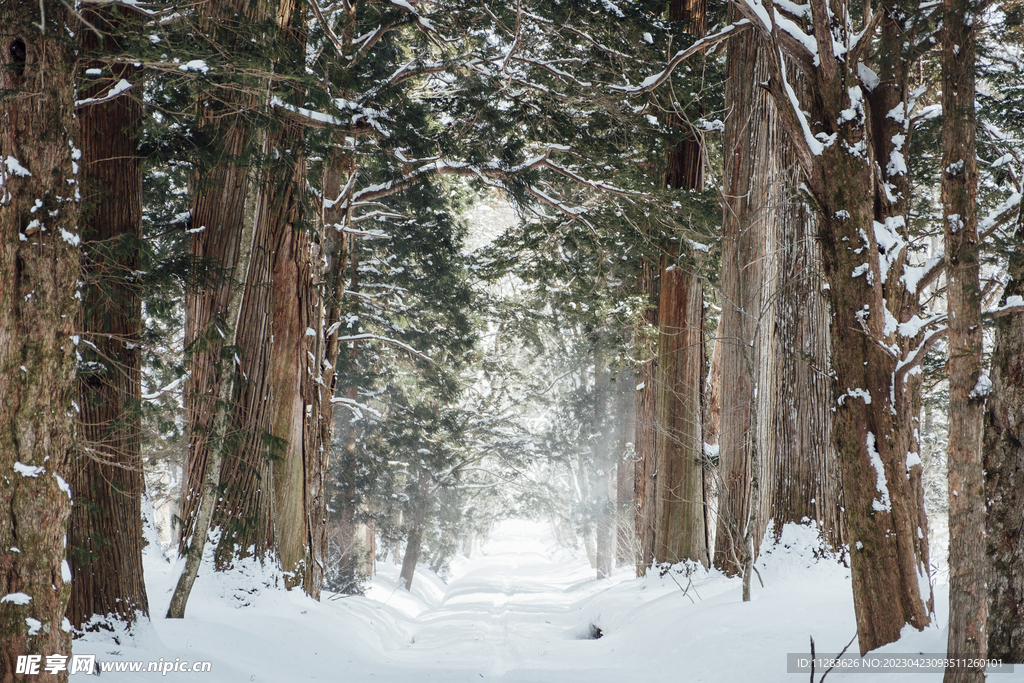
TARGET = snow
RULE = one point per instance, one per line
(521, 610)
(890, 242)
(855, 393)
(118, 88)
(881, 484)
(815, 145)
(913, 460)
(14, 166)
(912, 275)
(16, 599)
(982, 388)
(28, 470)
(195, 65)
(70, 237)
(61, 484)
(868, 77)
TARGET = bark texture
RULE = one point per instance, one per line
(800, 477)
(105, 535)
(679, 524)
(750, 162)
(273, 503)
(221, 208)
(1004, 477)
(646, 425)
(679, 532)
(967, 566)
(39, 269)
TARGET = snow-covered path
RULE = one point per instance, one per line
(521, 611)
(518, 613)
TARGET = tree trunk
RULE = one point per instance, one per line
(105, 533)
(604, 508)
(625, 519)
(679, 529)
(39, 270)
(750, 161)
(679, 479)
(646, 422)
(1004, 476)
(221, 209)
(418, 517)
(272, 474)
(800, 477)
(967, 565)
(856, 173)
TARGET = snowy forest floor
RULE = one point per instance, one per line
(520, 610)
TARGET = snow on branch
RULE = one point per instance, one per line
(118, 88)
(356, 407)
(999, 215)
(377, 337)
(652, 82)
(1013, 305)
(492, 174)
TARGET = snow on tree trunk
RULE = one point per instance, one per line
(105, 532)
(39, 270)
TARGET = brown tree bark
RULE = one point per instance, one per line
(1004, 476)
(800, 478)
(750, 162)
(221, 210)
(105, 532)
(967, 564)
(679, 532)
(39, 270)
(273, 501)
(679, 522)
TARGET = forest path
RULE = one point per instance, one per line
(517, 611)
